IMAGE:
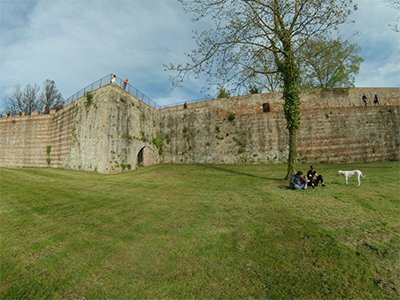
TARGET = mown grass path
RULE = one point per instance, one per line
(199, 231)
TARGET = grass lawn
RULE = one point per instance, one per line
(200, 231)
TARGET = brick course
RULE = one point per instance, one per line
(107, 135)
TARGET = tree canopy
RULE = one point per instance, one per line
(324, 63)
(329, 64)
(259, 37)
(29, 99)
(50, 97)
(396, 5)
(222, 93)
(25, 99)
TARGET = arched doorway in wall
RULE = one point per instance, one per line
(140, 157)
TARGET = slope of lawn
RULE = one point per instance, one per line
(199, 231)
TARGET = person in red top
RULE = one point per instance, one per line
(125, 83)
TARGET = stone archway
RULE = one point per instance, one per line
(146, 156)
(140, 157)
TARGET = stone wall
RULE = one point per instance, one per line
(111, 131)
(335, 127)
(355, 134)
(24, 140)
(61, 137)
(105, 135)
(310, 99)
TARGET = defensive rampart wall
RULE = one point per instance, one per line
(335, 127)
(24, 140)
(111, 131)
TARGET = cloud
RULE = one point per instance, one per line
(75, 43)
(380, 44)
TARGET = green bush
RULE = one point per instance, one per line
(89, 99)
(158, 141)
(254, 89)
(127, 136)
(222, 93)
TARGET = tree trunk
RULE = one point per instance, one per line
(290, 75)
(293, 138)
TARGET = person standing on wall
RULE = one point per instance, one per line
(376, 101)
(113, 79)
(125, 83)
(364, 98)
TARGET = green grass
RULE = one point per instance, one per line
(199, 231)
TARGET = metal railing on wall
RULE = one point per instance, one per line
(106, 80)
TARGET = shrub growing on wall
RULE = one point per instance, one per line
(89, 99)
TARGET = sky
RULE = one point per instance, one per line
(77, 42)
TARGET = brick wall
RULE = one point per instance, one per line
(61, 135)
(355, 134)
(24, 140)
(335, 127)
(108, 135)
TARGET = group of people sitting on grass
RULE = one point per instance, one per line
(298, 182)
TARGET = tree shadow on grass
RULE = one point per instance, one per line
(281, 183)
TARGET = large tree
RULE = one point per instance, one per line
(248, 34)
(50, 97)
(26, 99)
(29, 99)
(329, 64)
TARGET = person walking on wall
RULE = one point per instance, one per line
(125, 83)
(113, 79)
(376, 101)
(313, 178)
(364, 98)
(298, 182)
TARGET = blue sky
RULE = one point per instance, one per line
(76, 42)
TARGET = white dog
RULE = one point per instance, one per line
(348, 174)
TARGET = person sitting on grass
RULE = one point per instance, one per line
(298, 182)
(313, 178)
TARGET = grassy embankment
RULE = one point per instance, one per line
(199, 231)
